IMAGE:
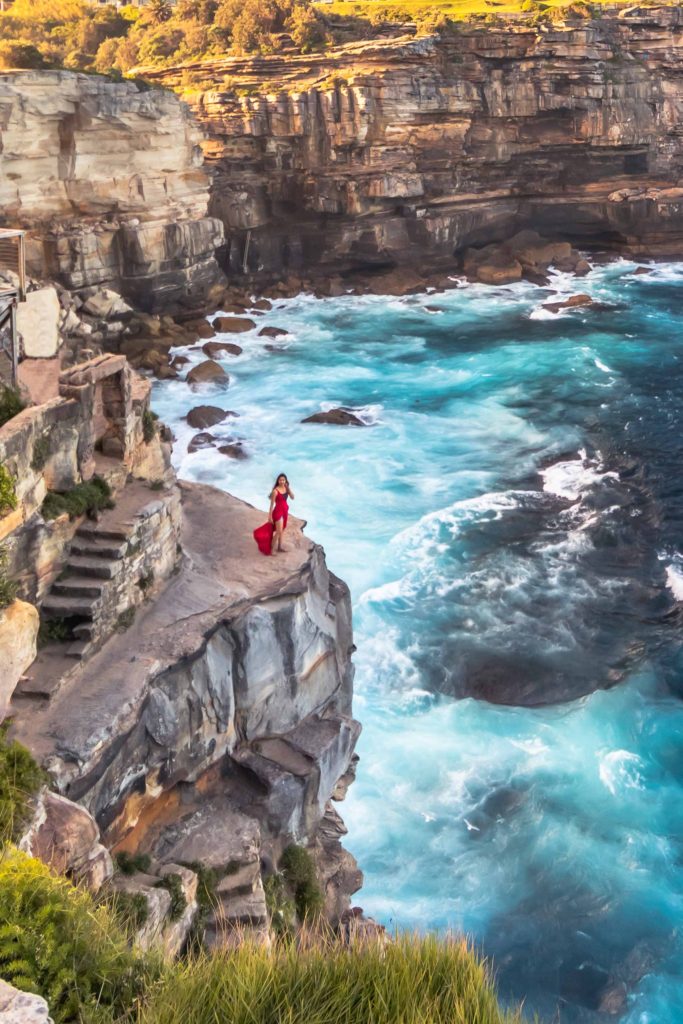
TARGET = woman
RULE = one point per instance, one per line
(269, 536)
(279, 510)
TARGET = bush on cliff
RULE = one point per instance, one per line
(298, 871)
(20, 779)
(8, 495)
(55, 941)
(82, 499)
(8, 587)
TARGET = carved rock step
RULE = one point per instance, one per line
(98, 568)
(78, 586)
(91, 531)
(55, 607)
(80, 649)
(98, 549)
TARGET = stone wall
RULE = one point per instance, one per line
(403, 150)
(108, 177)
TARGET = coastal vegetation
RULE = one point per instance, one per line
(84, 498)
(77, 35)
(58, 941)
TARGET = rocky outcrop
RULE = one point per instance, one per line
(18, 634)
(402, 151)
(65, 837)
(111, 187)
(225, 708)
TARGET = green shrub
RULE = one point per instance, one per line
(54, 940)
(81, 499)
(174, 884)
(298, 870)
(10, 399)
(54, 631)
(20, 53)
(41, 453)
(409, 981)
(20, 779)
(129, 863)
(131, 909)
(8, 588)
(8, 495)
(149, 426)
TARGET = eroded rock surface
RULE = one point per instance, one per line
(112, 187)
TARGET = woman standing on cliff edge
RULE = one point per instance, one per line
(269, 536)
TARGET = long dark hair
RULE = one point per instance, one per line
(277, 478)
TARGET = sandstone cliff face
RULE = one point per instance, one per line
(110, 181)
(396, 151)
(231, 691)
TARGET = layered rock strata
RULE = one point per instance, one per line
(217, 727)
(108, 179)
(405, 150)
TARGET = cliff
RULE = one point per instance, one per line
(108, 178)
(406, 151)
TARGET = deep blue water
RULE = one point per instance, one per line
(510, 525)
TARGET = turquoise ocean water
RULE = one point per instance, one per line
(510, 523)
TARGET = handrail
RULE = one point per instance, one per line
(13, 256)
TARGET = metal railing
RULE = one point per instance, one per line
(13, 259)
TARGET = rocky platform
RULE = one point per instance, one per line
(234, 685)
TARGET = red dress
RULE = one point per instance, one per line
(263, 535)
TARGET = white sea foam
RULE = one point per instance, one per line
(619, 769)
(674, 580)
(602, 366)
(568, 479)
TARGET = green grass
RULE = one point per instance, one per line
(8, 587)
(298, 871)
(10, 404)
(411, 981)
(20, 779)
(8, 494)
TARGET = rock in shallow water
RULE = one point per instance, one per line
(203, 416)
(233, 324)
(338, 417)
(207, 372)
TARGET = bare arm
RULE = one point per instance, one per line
(290, 492)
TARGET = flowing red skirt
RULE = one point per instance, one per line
(263, 535)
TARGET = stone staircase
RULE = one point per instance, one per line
(79, 595)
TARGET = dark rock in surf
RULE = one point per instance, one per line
(201, 441)
(208, 372)
(233, 451)
(233, 324)
(214, 349)
(338, 417)
(203, 416)
(272, 332)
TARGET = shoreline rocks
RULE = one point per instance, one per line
(340, 417)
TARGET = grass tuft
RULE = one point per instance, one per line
(83, 498)
(20, 779)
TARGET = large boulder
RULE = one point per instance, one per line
(215, 348)
(492, 265)
(203, 416)
(38, 323)
(65, 837)
(208, 372)
(272, 332)
(233, 324)
(201, 441)
(106, 304)
(22, 1007)
(338, 417)
(18, 636)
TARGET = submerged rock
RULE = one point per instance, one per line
(215, 348)
(233, 451)
(338, 417)
(200, 441)
(272, 332)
